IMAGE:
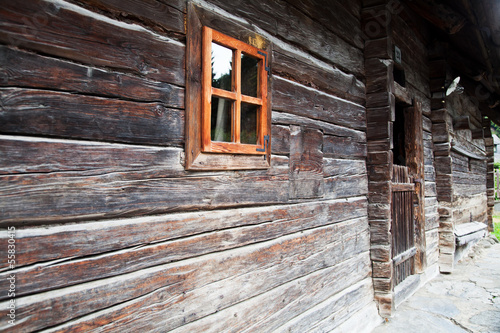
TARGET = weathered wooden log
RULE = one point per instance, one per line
(56, 114)
(427, 126)
(461, 123)
(379, 78)
(430, 189)
(335, 16)
(380, 231)
(380, 145)
(306, 163)
(343, 167)
(335, 146)
(295, 98)
(381, 252)
(152, 13)
(123, 245)
(431, 221)
(200, 281)
(25, 155)
(268, 313)
(478, 134)
(382, 269)
(346, 187)
(430, 174)
(380, 115)
(29, 70)
(325, 78)
(71, 195)
(279, 18)
(441, 133)
(468, 149)
(328, 314)
(380, 100)
(380, 157)
(127, 47)
(383, 285)
(280, 137)
(443, 164)
(379, 173)
(380, 191)
(90, 238)
(376, 21)
(377, 131)
(287, 119)
(379, 212)
(380, 48)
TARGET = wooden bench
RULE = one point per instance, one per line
(468, 232)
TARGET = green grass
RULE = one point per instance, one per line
(496, 226)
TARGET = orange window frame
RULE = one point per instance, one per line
(238, 47)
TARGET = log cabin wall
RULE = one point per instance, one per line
(463, 152)
(468, 158)
(380, 108)
(111, 231)
(391, 24)
(411, 36)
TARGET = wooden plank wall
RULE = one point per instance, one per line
(113, 234)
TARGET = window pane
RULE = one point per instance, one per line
(248, 132)
(220, 121)
(249, 70)
(222, 63)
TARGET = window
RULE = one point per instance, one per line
(228, 114)
(234, 109)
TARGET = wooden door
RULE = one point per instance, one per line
(403, 224)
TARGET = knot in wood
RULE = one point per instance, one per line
(159, 110)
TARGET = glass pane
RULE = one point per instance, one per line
(248, 132)
(220, 122)
(249, 70)
(222, 64)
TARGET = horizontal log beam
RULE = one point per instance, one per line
(397, 187)
(189, 290)
(459, 149)
(30, 70)
(66, 115)
(68, 31)
(404, 256)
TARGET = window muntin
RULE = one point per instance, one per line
(234, 103)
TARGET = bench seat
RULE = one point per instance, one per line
(468, 232)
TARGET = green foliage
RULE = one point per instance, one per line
(496, 230)
(495, 129)
(496, 165)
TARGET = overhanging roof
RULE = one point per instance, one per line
(470, 29)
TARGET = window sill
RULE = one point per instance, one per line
(208, 161)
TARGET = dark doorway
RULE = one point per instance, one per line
(399, 138)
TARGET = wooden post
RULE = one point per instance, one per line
(380, 110)
(415, 160)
